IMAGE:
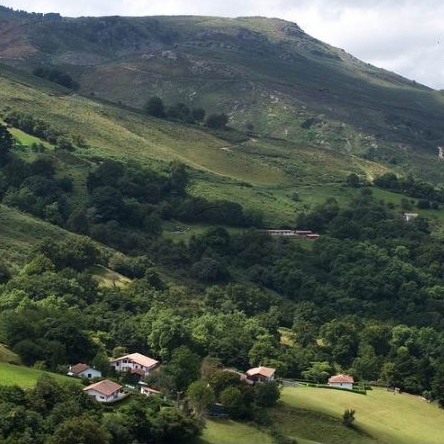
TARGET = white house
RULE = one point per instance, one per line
(261, 374)
(84, 371)
(409, 216)
(105, 391)
(341, 381)
(135, 363)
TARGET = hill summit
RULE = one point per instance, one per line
(266, 74)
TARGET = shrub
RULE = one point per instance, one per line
(348, 417)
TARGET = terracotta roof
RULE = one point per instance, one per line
(268, 372)
(138, 358)
(342, 378)
(79, 368)
(150, 390)
(105, 387)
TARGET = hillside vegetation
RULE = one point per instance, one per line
(267, 75)
(128, 229)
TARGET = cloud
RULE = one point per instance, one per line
(404, 36)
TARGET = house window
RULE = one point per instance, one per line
(89, 375)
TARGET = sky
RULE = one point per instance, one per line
(404, 36)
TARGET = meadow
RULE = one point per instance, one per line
(26, 377)
(226, 431)
(381, 415)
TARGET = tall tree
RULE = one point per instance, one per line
(155, 107)
(6, 144)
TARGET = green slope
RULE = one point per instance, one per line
(388, 418)
(266, 74)
(26, 377)
(258, 173)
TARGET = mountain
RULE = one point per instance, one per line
(130, 224)
(267, 75)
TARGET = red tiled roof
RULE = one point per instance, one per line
(342, 378)
(79, 368)
(150, 390)
(140, 359)
(105, 387)
(268, 372)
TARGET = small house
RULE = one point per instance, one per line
(81, 370)
(105, 391)
(410, 216)
(136, 363)
(341, 381)
(261, 374)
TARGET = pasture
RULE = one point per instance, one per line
(226, 431)
(26, 377)
(388, 418)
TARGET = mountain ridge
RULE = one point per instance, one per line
(269, 77)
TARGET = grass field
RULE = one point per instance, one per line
(25, 377)
(226, 431)
(388, 418)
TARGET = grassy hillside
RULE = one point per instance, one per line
(258, 173)
(266, 74)
(386, 417)
(21, 232)
(225, 431)
(25, 377)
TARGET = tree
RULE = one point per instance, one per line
(5, 274)
(233, 400)
(79, 430)
(348, 417)
(209, 270)
(318, 372)
(216, 121)
(155, 107)
(198, 114)
(184, 367)
(201, 396)
(353, 180)
(119, 430)
(108, 204)
(172, 426)
(178, 179)
(180, 112)
(6, 144)
(266, 394)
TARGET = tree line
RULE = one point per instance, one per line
(182, 113)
